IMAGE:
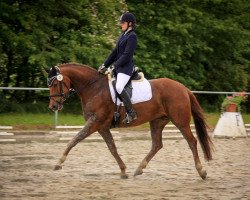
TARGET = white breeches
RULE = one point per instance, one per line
(121, 81)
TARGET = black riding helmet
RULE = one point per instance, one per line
(128, 17)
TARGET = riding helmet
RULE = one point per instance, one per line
(128, 17)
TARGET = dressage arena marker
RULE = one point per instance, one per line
(176, 131)
(7, 140)
(6, 127)
(69, 127)
(6, 134)
(247, 127)
(230, 124)
(66, 133)
(70, 134)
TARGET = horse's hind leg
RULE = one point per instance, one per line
(192, 142)
(156, 127)
(108, 138)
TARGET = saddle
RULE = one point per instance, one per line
(136, 76)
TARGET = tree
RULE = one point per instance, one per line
(37, 34)
(203, 44)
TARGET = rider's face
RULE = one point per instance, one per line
(124, 26)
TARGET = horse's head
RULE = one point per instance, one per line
(59, 87)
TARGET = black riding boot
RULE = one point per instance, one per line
(131, 113)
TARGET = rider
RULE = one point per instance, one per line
(122, 59)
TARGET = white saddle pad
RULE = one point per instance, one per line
(141, 92)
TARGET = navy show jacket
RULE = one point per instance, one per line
(122, 54)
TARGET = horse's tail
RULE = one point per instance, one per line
(200, 126)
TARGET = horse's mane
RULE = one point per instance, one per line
(53, 72)
(76, 65)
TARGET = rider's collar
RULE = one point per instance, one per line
(129, 29)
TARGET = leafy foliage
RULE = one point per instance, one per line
(203, 44)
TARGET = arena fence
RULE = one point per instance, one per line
(56, 113)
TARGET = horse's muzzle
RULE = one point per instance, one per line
(55, 106)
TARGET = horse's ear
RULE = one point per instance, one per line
(49, 72)
(45, 71)
(52, 71)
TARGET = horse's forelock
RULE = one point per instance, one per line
(52, 72)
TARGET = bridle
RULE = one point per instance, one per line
(70, 92)
(59, 78)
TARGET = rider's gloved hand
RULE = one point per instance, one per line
(102, 69)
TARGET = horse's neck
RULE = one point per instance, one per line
(85, 81)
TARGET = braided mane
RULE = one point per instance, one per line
(76, 65)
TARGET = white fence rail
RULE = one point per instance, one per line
(22, 88)
(56, 113)
(198, 92)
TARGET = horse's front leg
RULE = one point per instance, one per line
(88, 129)
(108, 138)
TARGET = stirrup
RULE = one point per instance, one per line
(130, 117)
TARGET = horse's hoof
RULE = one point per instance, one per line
(124, 176)
(203, 174)
(57, 167)
(138, 172)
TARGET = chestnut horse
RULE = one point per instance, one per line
(171, 101)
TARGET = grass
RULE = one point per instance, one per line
(31, 120)
(47, 120)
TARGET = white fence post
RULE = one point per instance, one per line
(56, 118)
